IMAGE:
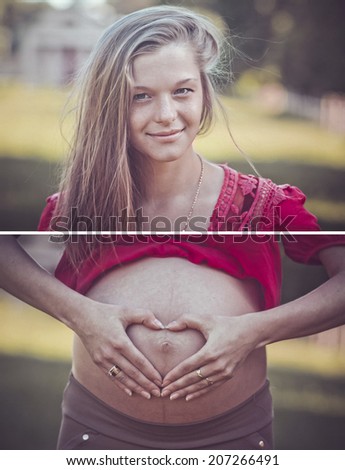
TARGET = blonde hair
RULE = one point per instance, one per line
(102, 179)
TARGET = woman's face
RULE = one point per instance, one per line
(167, 102)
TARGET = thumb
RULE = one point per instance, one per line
(143, 317)
(178, 325)
(189, 322)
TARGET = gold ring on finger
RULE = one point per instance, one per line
(209, 381)
(114, 371)
(199, 374)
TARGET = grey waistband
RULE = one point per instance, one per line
(246, 418)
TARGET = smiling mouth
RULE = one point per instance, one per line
(167, 134)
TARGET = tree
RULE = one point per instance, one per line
(304, 39)
(313, 59)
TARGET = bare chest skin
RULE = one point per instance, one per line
(159, 214)
(171, 287)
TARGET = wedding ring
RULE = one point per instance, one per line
(199, 374)
(209, 381)
(114, 371)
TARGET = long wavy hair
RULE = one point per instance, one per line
(102, 178)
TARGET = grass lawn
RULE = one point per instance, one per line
(31, 122)
(32, 118)
(265, 138)
(283, 149)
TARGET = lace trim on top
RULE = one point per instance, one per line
(225, 198)
(242, 201)
(244, 198)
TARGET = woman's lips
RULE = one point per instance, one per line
(167, 136)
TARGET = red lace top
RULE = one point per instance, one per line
(245, 202)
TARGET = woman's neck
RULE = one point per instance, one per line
(172, 179)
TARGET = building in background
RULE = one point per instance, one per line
(51, 48)
(56, 46)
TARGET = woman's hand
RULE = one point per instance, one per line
(229, 340)
(103, 333)
(101, 327)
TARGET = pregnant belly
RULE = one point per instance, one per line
(171, 287)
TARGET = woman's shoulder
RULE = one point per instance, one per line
(249, 199)
(263, 191)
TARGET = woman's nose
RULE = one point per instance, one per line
(166, 110)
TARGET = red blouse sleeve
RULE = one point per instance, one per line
(294, 217)
(47, 213)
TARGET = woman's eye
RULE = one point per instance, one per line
(183, 91)
(140, 97)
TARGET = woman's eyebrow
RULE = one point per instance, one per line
(186, 80)
(177, 84)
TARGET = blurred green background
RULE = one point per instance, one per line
(286, 111)
(286, 105)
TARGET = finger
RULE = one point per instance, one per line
(217, 374)
(203, 391)
(209, 383)
(121, 385)
(193, 381)
(184, 391)
(202, 385)
(185, 322)
(143, 317)
(183, 383)
(139, 368)
(129, 386)
(178, 325)
(191, 364)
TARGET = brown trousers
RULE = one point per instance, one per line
(89, 423)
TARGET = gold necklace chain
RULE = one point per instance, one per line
(201, 177)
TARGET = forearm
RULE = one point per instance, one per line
(319, 310)
(22, 277)
(230, 339)
(101, 327)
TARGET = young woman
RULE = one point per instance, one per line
(169, 350)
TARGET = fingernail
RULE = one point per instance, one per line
(189, 397)
(156, 393)
(145, 395)
(165, 393)
(172, 324)
(129, 392)
(174, 396)
(159, 324)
